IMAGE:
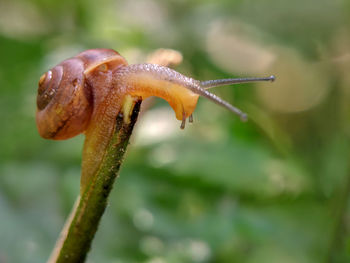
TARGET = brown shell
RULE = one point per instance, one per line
(65, 97)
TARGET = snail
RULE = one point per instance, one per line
(85, 93)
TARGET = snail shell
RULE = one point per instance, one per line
(66, 93)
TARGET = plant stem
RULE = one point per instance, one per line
(74, 244)
(337, 250)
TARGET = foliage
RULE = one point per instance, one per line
(274, 189)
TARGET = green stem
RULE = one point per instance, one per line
(76, 242)
(337, 245)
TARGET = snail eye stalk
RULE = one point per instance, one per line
(223, 82)
(203, 86)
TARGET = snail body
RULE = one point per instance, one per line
(84, 94)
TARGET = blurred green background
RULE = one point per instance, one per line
(274, 189)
